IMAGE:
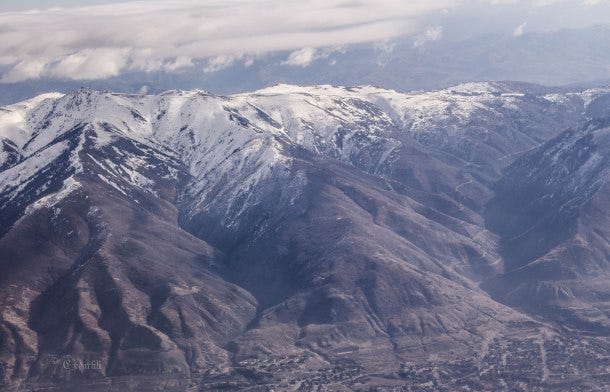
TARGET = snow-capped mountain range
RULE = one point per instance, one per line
(214, 135)
(295, 233)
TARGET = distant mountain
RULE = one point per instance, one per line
(301, 237)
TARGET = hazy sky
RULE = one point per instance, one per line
(75, 39)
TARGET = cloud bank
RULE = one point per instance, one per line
(96, 42)
(103, 41)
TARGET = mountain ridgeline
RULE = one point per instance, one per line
(296, 238)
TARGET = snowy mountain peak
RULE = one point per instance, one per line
(249, 134)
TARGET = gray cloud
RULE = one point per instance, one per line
(102, 41)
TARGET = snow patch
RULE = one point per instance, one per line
(69, 186)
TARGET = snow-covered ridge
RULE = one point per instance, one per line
(241, 139)
(308, 116)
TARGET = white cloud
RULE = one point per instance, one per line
(305, 56)
(26, 69)
(431, 34)
(172, 35)
(218, 63)
(302, 57)
(90, 64)
(178, 63)
(519, 30)
(224, 61)
(101, 41)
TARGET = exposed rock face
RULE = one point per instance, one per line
(297, 236)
